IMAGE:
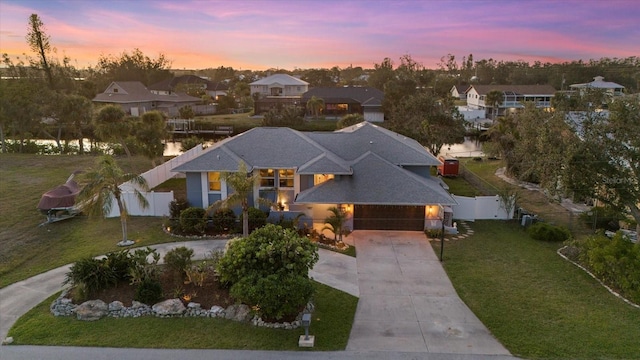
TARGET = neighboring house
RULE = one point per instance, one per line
(459, 91)
(184, 82)
(514, 97)
(340, 101)
(610, 88)
(135, 99)
(381, 179)
(277, 90)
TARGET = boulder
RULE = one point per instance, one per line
(116, 306)
(91, 310)
(169, 307)
(239, 312)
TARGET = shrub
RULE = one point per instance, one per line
(176, 207)
(602, 217)
(275, 295)
(89, 275)
(149, 291)
(178, 260)
(119, 262)
(141, 269)
(193, 221)
(433, 233)
(224, 220)
(348, 120)
(547, 232)
(270, 250)
(257, 218)
(615, 261)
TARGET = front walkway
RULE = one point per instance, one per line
(407, 302)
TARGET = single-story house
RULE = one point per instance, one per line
(340, 101)
(379, 178)
(514, 97)
(135, 99)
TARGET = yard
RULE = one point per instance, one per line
(537, 304)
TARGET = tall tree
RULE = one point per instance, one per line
(102, 185)
(150, 134)
(76, 113)
(112, 124)
(134, 66)
(38, 41)
(430, 121)
(242, 184)
(605, 163)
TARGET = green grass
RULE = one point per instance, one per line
(331, 324)
(243, 122)
(460, 186)
(27, 249)
(537, 304)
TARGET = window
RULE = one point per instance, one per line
(285, 177)
(267, 178)
(214, 181)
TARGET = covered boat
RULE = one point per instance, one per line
(59, 203)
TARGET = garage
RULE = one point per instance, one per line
(388, 217)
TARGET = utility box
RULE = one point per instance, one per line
(448, 166)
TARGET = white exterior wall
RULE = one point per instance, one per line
(473, 100)
(373, 116)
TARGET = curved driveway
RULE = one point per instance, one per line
(408, 308)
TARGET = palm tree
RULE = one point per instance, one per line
(102, 186)
(242, 183)
(315, 104)
(494, 99)
(335, 223)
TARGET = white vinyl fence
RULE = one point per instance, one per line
(158, 201)
(480, 208)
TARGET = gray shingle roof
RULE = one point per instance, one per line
(377, 181)
(282, 79)
(367, 96)
(136, 92)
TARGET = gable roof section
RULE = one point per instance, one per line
(353, 141)
(518, 89)
(123, 92)
(598, 83)
(366, 96)
(282, 79)
(377, 181)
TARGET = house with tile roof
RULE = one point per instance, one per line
(135, 99)
(340, 101)
(514, 97)
(381, 179)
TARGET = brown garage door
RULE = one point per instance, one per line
(388, 217)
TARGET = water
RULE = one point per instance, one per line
(471, 147)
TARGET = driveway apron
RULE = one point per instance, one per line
(407, 302)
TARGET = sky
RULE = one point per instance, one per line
(304, 34)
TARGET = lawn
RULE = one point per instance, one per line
(331, 325)
(24, 178)
(244, 122)
(537, 304)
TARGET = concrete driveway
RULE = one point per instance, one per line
(407, 302)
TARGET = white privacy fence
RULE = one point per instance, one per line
(480, 208)
(158, 201)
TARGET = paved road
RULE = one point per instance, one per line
(396, 274)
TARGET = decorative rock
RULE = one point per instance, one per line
(115, 306)
(194, 306)
(169, 307)
(239, 312)
(217, 310)
(137, 304)
(7, 341)
(91, 310)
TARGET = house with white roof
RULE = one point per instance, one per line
(610, 88)
(379, 178)
(279, 85)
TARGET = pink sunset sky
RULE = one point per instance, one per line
(263, 34)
